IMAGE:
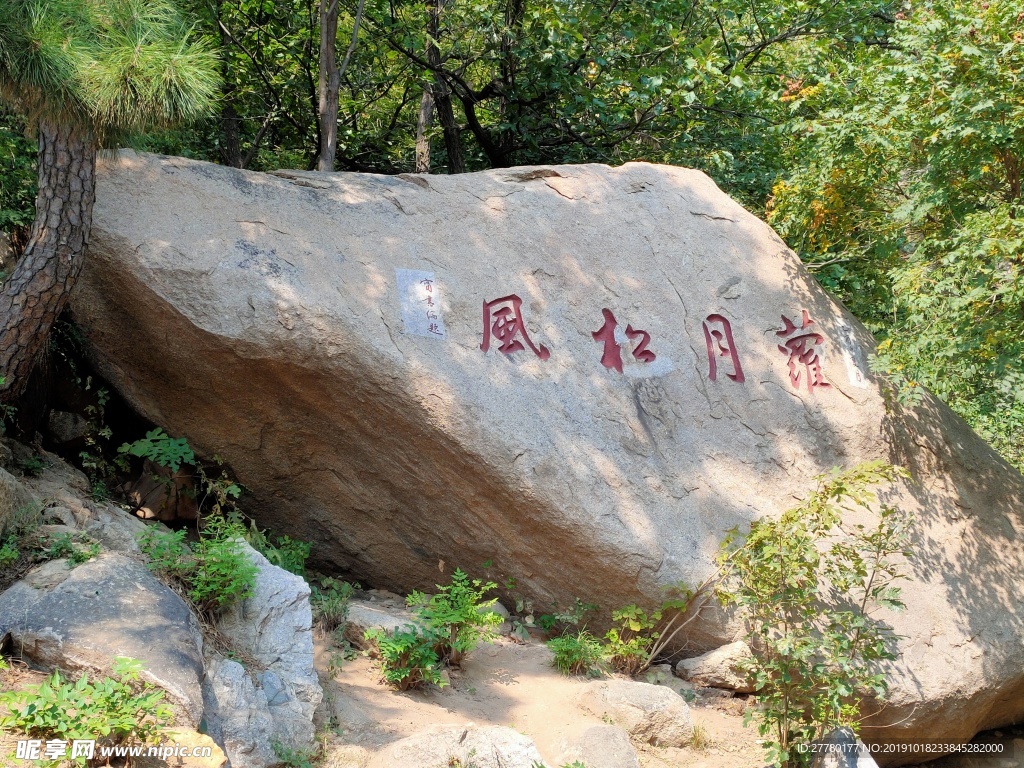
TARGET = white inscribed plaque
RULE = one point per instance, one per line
(853, 356)
(420, 299)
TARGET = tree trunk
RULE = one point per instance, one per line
(422, 126)
(330, 85)
(38, 289)
(509, 67)
(231, 149)
(442, 94)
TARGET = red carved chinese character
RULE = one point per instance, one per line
(802, 349)
(718, 337)
(612, 356)
(504, 320)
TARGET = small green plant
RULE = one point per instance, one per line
(216, 573)
(567, 618)
(32, 465)
(330, 603)
(578, 653)
(458, 615)
(287, 553)
(407, 656)
(162, 449)
(808, 583)
(110, 709)
(294, 758)
(64, 545)
(9, 552)
(700, 739)
(628, 645)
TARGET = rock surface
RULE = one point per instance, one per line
(718, 668)
(602, 746)
(842, 749)
(237, 715)
(81, 618)
(481, 747)
(650, 714)
(274, 626)
(392, 451)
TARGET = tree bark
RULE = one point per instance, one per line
(38, 289)
(422, 126)
(231, 149)
(441, 92)
(330, 85)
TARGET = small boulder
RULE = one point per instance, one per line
(80, 619)
(661, 674)
(185, 739)
(842, 749)
(275, 626)
(719, 668)
(650, 714)
(491, 746)
(601, 746)
(237, 716)
(364, 615)
(66, 428)
(14, 497)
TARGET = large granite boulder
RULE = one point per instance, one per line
(274, 625)
(82, 618)
(581, 373)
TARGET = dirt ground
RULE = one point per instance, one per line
(509, 684)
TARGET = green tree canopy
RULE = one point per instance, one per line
(84, 74)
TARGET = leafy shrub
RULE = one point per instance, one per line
(110, 709)
(577, 654)
(64, 545)
(287, 553)
(628, 645)
(458, 615)
(567, 618)
(407, 656)
(215, 574)
(330, 604)
(807, 583)
(162, 449)
(9, 552)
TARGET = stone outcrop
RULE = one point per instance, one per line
(610, 368)
(601, 746)
(489, 746)
(81, 618)
(650, 714)
(719, 668)
(274, 627)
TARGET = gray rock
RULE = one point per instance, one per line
(481, 747)
(109, 606)
(364, 615)
(293, 361)
(718, 668)
(67, 427)
(15, 499)
(274, 625)
(649, 713)
(842, 749)
(237, 715)
(114, 528)
(602, 746)
(661, 674)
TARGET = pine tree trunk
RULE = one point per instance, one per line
(440, 91)
(426, 116)
(38, 289)
(330, 85)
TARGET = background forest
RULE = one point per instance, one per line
(885, 142)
